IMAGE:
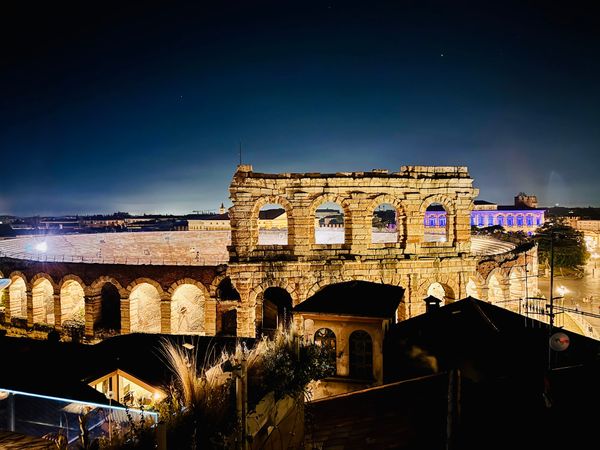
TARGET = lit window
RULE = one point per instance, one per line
(519, 221)
(490, 220)
(529, 221)
(510, 221)
(501, 221)
(480, 221)
(442, 221)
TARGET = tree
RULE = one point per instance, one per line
(569, 245)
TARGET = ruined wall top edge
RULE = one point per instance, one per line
(246, 171)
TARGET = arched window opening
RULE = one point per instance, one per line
(17, 295)
(187, 310)
(384, 224)
(43, 302)
(510, 221)
(501, 221)
(226, 291)
(538, 221)
(516, 288)
(272, 225)
(329, 224)
(72, 301)
(109, 316)
(440, 291)
(325, 338)
(361, 355)
(490, 221)
(436, 228)
(480, 220)
(277, 309)
(495, 292)
(472, 289)
(144, 303)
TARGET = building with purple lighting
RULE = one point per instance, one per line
(523, 216)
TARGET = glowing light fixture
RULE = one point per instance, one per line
(41, 247)
(561, 290)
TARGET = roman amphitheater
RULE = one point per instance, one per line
(245, 280)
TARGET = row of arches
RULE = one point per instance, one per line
(103, 304)
(274, 221)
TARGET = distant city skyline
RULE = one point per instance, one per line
(141, 108)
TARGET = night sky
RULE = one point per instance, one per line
(140, 108)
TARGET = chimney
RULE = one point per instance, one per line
(432, 303)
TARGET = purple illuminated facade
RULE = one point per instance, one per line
(512, 218)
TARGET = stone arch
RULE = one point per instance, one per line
(149, 281)
(188, 302)
(282, 311)
(449, 218)
(17, 295)
(144, 306)
(447, 202)
(472, 288)
(72, 299)
(42, 294)
(96, 286)
(71, 277)
(343, 204)
(441, 291)
(449, 286)
(400, 216)
(254, 221)
(261, 288)
(45, 276)
(516, 279)
(496, 282)
(107, 314)
(223, 289)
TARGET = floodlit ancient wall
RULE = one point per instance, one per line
(303, 266)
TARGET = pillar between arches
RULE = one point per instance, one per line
(29, 308)
(57, 312)
(165, 316)
(88, 317)
(210, 317)
(125, 316)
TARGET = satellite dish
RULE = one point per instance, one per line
(4, 283)
(559, 342)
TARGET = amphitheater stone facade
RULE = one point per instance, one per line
(302, 266)
(231, 298)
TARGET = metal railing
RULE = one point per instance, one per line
(47, 416)
(129, 260)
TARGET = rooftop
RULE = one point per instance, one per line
(354, 298)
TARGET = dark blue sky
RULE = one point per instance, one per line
(140, 108)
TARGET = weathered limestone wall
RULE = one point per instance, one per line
(303, 267)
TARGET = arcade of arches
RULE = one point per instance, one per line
(384, 241)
